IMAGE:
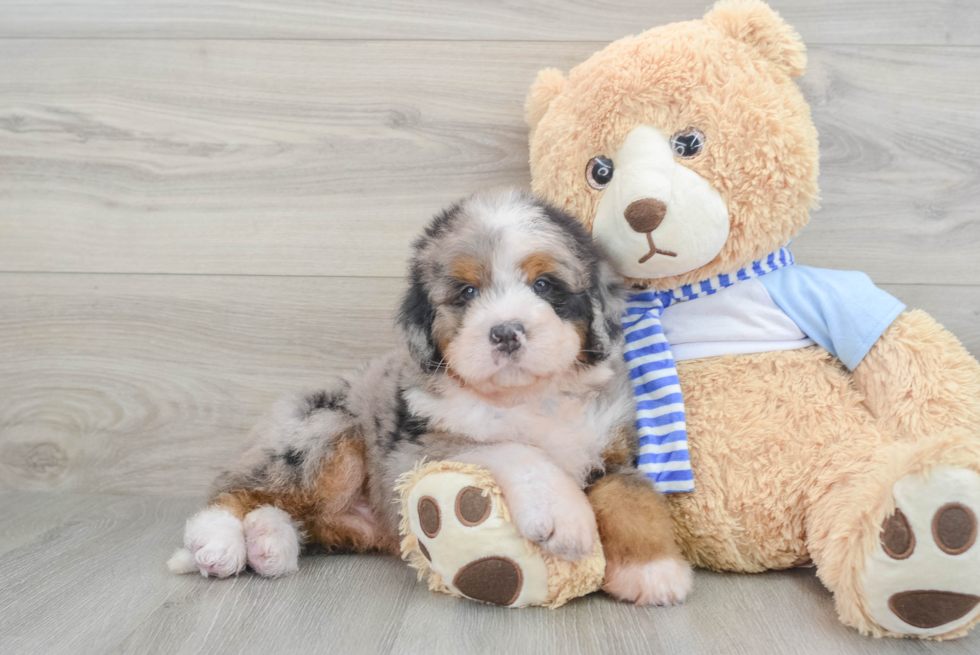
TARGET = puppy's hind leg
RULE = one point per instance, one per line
(236, 529)
(214, 544)
(273, 541)
(643, 564)
(258, 504)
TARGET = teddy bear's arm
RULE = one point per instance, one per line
(919, 379)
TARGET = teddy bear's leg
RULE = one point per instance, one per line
(918, 380)
(895, 539)
(643, 563)
(457, 531)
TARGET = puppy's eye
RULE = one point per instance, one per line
(599, 172)
(468, 293)
(542, 285)
(687, 143)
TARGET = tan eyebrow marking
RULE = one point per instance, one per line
(537, 264)
(470, 270)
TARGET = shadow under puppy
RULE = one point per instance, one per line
(511, 360)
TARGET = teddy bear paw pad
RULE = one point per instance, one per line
(496, 580)
(464, 533)
(923, 579)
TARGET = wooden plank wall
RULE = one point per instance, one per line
(203, 205)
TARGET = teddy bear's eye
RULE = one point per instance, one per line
(687, 143)
(599, 172)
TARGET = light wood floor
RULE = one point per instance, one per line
(206, 204)
(84, 574)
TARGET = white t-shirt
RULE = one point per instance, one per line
(738, 320)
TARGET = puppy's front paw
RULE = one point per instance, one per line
(461, 534)
(560, 521)
(215, 542)
(272, 541)
(660, 582)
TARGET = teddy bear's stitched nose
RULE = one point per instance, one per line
(645, 215)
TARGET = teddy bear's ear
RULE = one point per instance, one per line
(753, 22)
(546, 87)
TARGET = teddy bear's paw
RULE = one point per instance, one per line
(463, 533)
(272, 541)
(923, 578)
(214, 544)
(661, 582)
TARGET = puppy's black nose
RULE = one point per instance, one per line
(507, 336)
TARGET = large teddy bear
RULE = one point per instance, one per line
(824, 423)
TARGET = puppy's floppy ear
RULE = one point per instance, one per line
(601, 304)
(607, 294)
(415, 318)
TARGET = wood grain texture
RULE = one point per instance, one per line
(148, 384)
(900, 163)
(95, 582)
(24, 522)
(918, 22)
(84, 583)
(232, 157)
(236, 157)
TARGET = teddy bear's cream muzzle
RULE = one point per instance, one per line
(658, 218)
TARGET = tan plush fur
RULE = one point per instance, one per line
(794, 456)
(754, 484)
(844, 525)
(566, 579)
(762, 150)
(409, 546)
(909, 375)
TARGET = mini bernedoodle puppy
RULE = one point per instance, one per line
(511, 360)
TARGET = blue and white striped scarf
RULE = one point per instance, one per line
(660, 420)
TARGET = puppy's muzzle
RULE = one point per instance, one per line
(507, 337)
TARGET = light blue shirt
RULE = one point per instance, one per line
(843, 311)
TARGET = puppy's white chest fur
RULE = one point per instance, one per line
(571, 430)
